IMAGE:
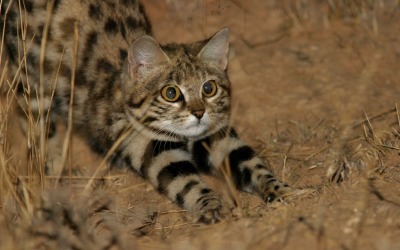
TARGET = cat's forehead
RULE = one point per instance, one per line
(185, 65)
(184, 56)
(176, 51)
(190, 73)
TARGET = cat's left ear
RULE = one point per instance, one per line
(216, 50)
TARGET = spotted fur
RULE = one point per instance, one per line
(121, 73)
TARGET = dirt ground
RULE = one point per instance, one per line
(316, 86)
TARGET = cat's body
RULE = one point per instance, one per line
(171, 103)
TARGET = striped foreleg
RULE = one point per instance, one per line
(249, 172)
(173, 172)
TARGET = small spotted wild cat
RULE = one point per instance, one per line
(176, 97)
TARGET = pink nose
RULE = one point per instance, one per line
(198, 113)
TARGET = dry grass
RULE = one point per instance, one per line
(347, 154)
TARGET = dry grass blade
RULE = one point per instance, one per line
(379, 195)
(103, 165)
(398, 116)
(3, 65)
(226, 166)
(370, 126)
(390, 147)
(225, 170)
(170, 227)
(284, 167)
(42, 58)
(66, 145)
(306, 159)
(227, 174)
(369, 119)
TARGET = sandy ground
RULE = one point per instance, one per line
(315, 91)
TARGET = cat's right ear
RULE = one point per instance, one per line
(145, 53)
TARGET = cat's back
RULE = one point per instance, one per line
(105, 28)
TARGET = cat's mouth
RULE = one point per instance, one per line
(194, 129)
(190, 128)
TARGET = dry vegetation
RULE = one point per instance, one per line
(315, 89)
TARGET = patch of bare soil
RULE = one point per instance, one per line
(316, 87)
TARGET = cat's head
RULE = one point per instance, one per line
(180, 91)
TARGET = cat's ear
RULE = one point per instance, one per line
(216, 50)
(145, 53)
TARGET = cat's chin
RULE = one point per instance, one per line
(194, 131)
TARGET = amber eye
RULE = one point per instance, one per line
(171, 93)
(209, 88)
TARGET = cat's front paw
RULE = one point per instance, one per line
(211, 213)
(208, 209)
(281, 191)
(277, 191)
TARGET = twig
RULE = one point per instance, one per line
(398, 117)
(308, 158)
(387, 146)
(173, 212)
(172, 226)
(42, 58)
(103, 163)
(370, 125)
(314, 154)
(374, 117)
(67, 140)
(379, 195)
(284, 167)
(317, 126)
(131, 187)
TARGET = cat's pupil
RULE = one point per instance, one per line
(208, 88)
(171, 93)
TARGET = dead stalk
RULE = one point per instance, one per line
(398, 116)
(103, 164)
(284, 167)
(369, 119)
(42, 129)
(226, 166)
(370, 125)
(67, 140)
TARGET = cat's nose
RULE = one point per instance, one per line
(198, 113)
